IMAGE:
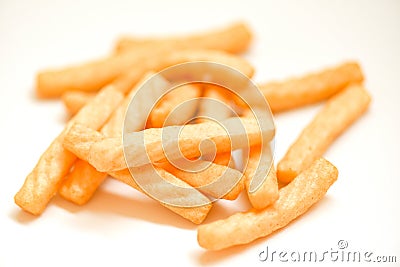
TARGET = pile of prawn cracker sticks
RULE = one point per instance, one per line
(97, 94)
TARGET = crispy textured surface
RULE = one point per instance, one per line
(108, 155)
(114, 125)
(75, 100)
(267, 193)
(215, 110)
(232, 39)
(206, 173)
(294, 200)
(43, 182)
(337, 114)
(193, 214)
(224, 159)
(126, 69)
(189, 55)
(243, 132)
(171, 110)
(311, 88)
(83, 181)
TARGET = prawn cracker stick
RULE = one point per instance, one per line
(155, 87)
(83, 181)
(232, 39)
(91, 76)
(172, 109)
(43, 182)
(212, 179)
(193, 214)
(260, 170)
(160, 62)
(227, 135)
(125, 69)
(294, 200)
(108, 155)
(311, 88)
(75, 100)
(190, 55)
(224, 159)
(215, 104)
(337, 114)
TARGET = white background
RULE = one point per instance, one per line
(119, 226)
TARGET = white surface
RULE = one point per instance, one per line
(119, 227)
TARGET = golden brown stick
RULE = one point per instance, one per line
(193, 214)
(91, 76)
(260, 169)
(311, 88)
(108, 155)
(42, 183)
(224, 159)
(172, 109)
(227, 181)
(83, 181)
(129, 67)
(75, 100)
(337, 114)
(294, 200)
(232, 39)
(216, 104)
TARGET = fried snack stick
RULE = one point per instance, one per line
(215, 104)
(294, 200)
(83, 181)
(311, 88)
(129, 67)
(90, 76)
(224, 159)
(108, 155)
(232, 39)
(212, 179)
(172, 109)
(193, 214)
(261, 170)
(337, 114)
(210, 173)
(75, 100)
(43, 182)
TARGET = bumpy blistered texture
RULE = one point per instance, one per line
(233, 39)
(125, 69)
(267, 192)
(108, 155)
(311, 88)
(294, 199)
(43, 182)
(337, 114)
